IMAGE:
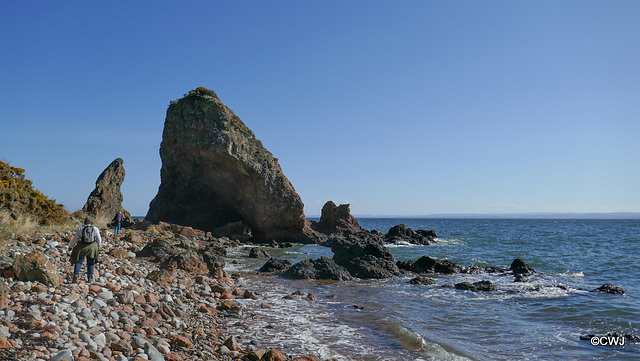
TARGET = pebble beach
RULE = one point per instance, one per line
(135, 309)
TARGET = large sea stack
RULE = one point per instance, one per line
(215, 172)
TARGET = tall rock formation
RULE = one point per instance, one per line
(215, 171)
(106, 199)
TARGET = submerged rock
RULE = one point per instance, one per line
(426, 264)
(215, 172)
(476, 286)
(609, 288)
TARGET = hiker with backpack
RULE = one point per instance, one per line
(85, 243)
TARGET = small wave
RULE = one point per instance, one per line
(571, 274)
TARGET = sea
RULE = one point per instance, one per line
(391, 319)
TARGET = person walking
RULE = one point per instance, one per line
(117, 223)
(85, 244)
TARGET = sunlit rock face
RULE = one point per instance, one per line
(215, 172)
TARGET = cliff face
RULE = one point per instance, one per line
(215, 171)
(106, 199)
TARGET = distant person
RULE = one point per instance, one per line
(117, 222)
(85, 243)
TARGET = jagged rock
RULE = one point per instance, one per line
(215, 171)
(476, 286)
(519, 267)
(426, 264)
(35, 266)
(609, 288)
(106, 199)
(363, 255)
(320, 269)
(276, 265)
(338, 219)
(401, 234)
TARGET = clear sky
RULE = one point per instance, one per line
(409, 107)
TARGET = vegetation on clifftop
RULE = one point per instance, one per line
(19, 201)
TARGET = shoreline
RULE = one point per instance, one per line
(123, 314)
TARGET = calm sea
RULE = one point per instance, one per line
(541, 319)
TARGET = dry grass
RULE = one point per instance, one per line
(28, 225)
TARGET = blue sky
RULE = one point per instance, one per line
(396, 107)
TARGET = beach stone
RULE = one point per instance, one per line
(36, 266)
(122, 346)
(181, 341)
(98, 303)
(274, 355)
(62, 356)
(232, 344)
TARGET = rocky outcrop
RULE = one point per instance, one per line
(215, 172)
(338, 219)
(317, 269)
(364, 255)
(106, 199)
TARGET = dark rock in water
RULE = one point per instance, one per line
(519, 267)
(421, 281)
(338, 219)
(476, 286)
(215, 172)
(276, 265)
(426, 264)
(106, 199)
(317, 269)
(257, 252)
(609, 288)
(401, 234)
(364, 255)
